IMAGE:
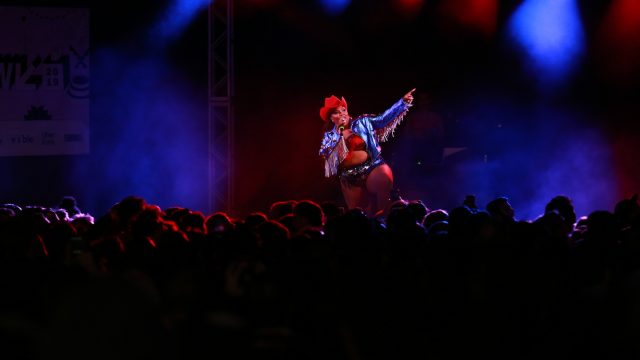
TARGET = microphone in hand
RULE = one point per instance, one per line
(341, 129)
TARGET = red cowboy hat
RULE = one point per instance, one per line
(330, 104)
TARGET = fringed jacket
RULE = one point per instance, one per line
(371, 128)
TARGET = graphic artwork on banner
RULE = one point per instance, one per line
(44, 81)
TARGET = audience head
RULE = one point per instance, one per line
(254, 219)
(62, 214)
(602, 229)
(395, 205)
(219, 222)
(400, 217)
(331, 210)
(280, 209)
(6, 214)
(82, 223)
(470, 202)
(273, 238)
(176, 214)
(69, 204)
(563, 206)
(418, 209)
(434, 217)
(307, 214)
(125, 210)
(194, 222)
(13, 207)
(627, 211)
(501, 210)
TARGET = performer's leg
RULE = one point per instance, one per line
(355, 196)
(380, 183)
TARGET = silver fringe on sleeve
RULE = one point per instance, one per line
(337, 155)
(388, 131)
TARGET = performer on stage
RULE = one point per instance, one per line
(351, 151)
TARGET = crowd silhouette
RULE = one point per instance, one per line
(314, 281)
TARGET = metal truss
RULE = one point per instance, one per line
(221, 115)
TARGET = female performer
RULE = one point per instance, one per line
(351, 151)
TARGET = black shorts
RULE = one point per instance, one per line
(357, 175)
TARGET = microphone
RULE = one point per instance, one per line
(341, 128)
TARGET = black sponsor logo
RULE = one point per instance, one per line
(72, 138)
(48, 138)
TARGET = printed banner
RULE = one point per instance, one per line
(44, 81)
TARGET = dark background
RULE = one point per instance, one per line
(149, 110)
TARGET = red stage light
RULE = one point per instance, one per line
(619, 39)
(624, 20)
(408, 7)
(479, 14)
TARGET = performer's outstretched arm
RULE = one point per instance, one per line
(385, 123)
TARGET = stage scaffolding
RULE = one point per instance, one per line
(221, 115)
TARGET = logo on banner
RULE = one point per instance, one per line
(79, 86)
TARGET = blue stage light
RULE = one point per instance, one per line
(551, 35)
(178, 16)
(334, 7)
